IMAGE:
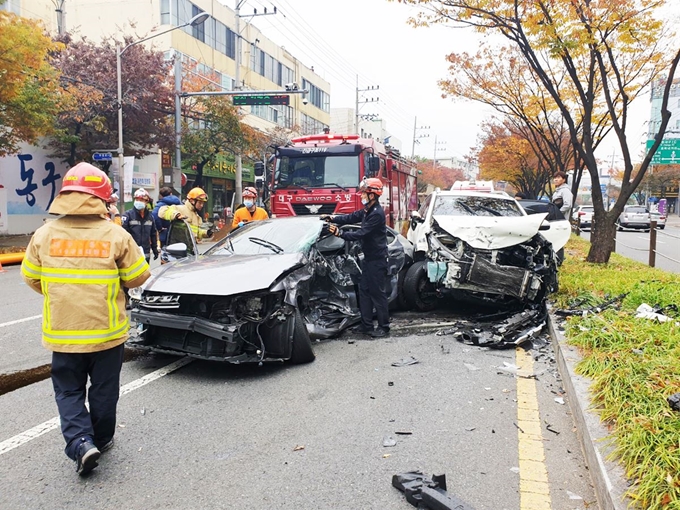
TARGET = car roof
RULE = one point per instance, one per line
(483, 194)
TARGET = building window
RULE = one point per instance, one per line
(317, 97)
(311, 126)
(197, 31)
(165, 12)
(13, 6)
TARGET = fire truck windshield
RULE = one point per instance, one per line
(317, 171)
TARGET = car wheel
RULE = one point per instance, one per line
(662, 227)
(418, 289)
(302, 351)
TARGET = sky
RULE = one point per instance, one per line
(371, 38)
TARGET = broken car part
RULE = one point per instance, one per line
(427, 493)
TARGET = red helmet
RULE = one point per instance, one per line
(250, 192)
(372, 185)
(86, 178)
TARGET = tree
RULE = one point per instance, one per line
(89, 122)
(593, 58)
(214, 128)
(438, 175)
(506, 155)
(29, 87)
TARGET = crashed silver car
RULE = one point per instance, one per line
(261, 294)
(482, 248)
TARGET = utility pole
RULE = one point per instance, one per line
(59, 4)
(436, 144)
(415, 135)
(356, 105)
(238, 181)
(178, 119)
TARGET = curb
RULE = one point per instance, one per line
(609, 479)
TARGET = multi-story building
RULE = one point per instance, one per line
(209, 48)
(343, 120)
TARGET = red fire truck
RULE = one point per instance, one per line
(320, 174)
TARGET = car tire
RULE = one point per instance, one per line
(662, 227)
(302, 350)
(415, 283)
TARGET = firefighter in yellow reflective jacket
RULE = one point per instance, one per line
(80, 262)
(190, 211)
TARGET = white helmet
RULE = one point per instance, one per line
(142, 193)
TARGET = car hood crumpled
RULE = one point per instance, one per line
(491, 233)
(223, 275)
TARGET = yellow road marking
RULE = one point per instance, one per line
(534, 491)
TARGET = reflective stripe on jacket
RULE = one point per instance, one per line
(169, 212)
(79, 264)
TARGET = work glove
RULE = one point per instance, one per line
(209, 233)
(326, 217)
(333, 229)
(241, 223)
(179, 216)
(155, 255)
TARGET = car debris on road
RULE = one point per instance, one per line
(427, 493)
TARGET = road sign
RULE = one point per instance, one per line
(603, 188)
(668, 152)
(102, 156)
(279, 99)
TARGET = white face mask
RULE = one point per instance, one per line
(139, 205)
(364, 201)
(248, 203)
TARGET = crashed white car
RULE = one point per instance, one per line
(481, 247)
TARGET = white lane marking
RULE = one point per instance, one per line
(49, 425)
(19, 321)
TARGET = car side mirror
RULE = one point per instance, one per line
(373, 165)
(177, 250)
(415, 219)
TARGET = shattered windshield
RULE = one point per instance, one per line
(317, 171)
(475, 206)
(295, 235)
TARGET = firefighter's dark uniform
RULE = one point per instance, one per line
(143, 230)
(373, 238)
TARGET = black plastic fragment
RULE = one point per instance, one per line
(427, 493)
(674, 401)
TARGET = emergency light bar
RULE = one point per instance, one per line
(323, 137)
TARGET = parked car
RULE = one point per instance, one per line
(584, 215)
(659, 218)
(635, 217)
(263, 293)
(481, 247)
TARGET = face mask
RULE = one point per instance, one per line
(248, 203)
(364, 201)
(139, 205)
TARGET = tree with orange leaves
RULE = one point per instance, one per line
(592, 58)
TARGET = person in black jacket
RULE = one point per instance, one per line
(373, 238)
(140, 223)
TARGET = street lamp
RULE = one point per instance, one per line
(196, 20)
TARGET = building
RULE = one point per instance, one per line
(343, 120)
(209, 48)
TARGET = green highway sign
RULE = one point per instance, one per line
(253, 100)
(668, 152)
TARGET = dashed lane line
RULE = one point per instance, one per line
(39, 430)
(19, 321)
(534, 490)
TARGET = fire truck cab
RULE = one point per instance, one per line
(320, 174)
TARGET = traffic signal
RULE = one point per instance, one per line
(259, 175)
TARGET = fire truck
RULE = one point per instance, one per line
(320, 174)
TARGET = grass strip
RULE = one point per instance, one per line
(634, 365)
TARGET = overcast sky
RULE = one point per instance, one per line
(343, 38)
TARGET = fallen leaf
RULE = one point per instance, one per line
(299, 447)
(387, 455)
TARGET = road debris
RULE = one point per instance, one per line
(500, 330)
(674, 401)
(559, 400)
(405, 362)
(403, 432)
(299, 447)
(389, 441)
(644, 311)
(548, 427)
(614, 302)
(427, 493)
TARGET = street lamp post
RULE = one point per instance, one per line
(196, 20)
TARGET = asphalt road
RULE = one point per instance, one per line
(634, 244)
(210, 435)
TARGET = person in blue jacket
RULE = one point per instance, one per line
(165, 198)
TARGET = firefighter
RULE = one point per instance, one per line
(139, 222)
(165, 198)
(249, 211)
(189, 211)
(373, 238)
(112, 209)
(80, 262)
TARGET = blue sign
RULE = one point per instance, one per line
(603, 188)
(102, 156)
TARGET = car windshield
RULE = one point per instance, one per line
(475, 206)
(318, 171)
(295, 235)
(635, 209)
